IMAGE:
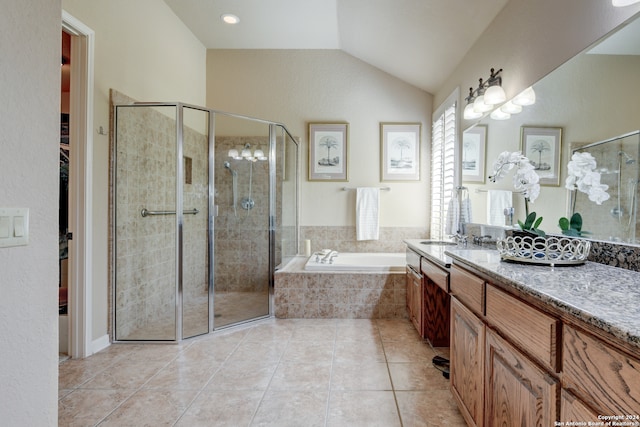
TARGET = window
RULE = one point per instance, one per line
(443, 161)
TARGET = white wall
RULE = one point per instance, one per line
(30, 119)
(144, 51)
(296, 87)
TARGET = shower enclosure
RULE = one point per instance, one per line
(204, 209)
(616, 219)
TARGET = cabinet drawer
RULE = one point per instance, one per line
(603, 377)
(437, 275)
(467, 288)
(532, 330)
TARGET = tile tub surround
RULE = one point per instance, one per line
(605, 297)
(343, 238)
(328, 295)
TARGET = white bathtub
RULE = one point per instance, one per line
(355, 261)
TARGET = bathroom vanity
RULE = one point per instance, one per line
(534, 345)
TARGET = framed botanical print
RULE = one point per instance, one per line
(474, 147)
(328, 151)
(543, 147)
(400, 151)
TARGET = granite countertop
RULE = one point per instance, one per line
(603, 296)
(435, 250)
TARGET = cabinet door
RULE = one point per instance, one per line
(573, 410)
(467, 362)
(518, 392)
(414, 299)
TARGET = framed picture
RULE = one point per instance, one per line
(474, 147)
(543, 147)
(400, 151)
(328, 151)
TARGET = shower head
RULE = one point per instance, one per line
(627, 158)
(228, 166)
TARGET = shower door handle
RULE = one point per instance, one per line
(215, 210)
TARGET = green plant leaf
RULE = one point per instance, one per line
(563, 223)
(528, 223)
(576, 221)
(537, 223)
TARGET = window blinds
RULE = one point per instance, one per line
(442, 168)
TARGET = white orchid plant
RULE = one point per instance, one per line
(583, 177)
(525, 178)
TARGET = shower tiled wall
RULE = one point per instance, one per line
(241, 235)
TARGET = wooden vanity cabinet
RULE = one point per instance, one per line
(415, 300)
(517, 362)
(495, 378)
(466, 355)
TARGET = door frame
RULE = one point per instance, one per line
(80, 186)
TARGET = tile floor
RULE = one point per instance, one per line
(278, 372)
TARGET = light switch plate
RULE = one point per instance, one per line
(14, 224)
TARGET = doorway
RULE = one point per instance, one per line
(80, 154)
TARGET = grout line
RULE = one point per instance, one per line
(393, 388)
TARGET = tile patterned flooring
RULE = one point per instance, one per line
(276, 372)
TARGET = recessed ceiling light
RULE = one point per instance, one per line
(229, 18)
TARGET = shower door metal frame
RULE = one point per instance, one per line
(179, 212)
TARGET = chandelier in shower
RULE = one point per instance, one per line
(246, 154)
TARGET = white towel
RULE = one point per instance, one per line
(453, 215)
(497, 202)
(465, 211)
(367, 207)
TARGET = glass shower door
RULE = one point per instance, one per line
(196, 233)
(144, 185)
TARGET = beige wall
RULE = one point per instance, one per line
(30, 119)
(144, 51)
(296, 87)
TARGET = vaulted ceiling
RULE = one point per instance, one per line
(418, 41)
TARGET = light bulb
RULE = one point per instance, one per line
(479, 106)
(498, 114)
(229, 18)
(494, 95)
(233, 153)
(259, 154)
(246, 153)
(470, 113)
(511, 108)
(526, 97)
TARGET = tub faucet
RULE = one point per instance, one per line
(328, 257)
(333, 255)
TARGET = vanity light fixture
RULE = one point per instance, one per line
(246, 154)
(623, 3)
(229, 18)
(487, 95)
(469, 113)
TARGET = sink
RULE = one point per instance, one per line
(438, 242)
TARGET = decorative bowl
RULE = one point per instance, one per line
(549, 250)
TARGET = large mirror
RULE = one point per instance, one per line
(592, 97)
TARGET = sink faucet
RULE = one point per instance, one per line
(460, 238)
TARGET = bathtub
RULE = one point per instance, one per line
(356, 261)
